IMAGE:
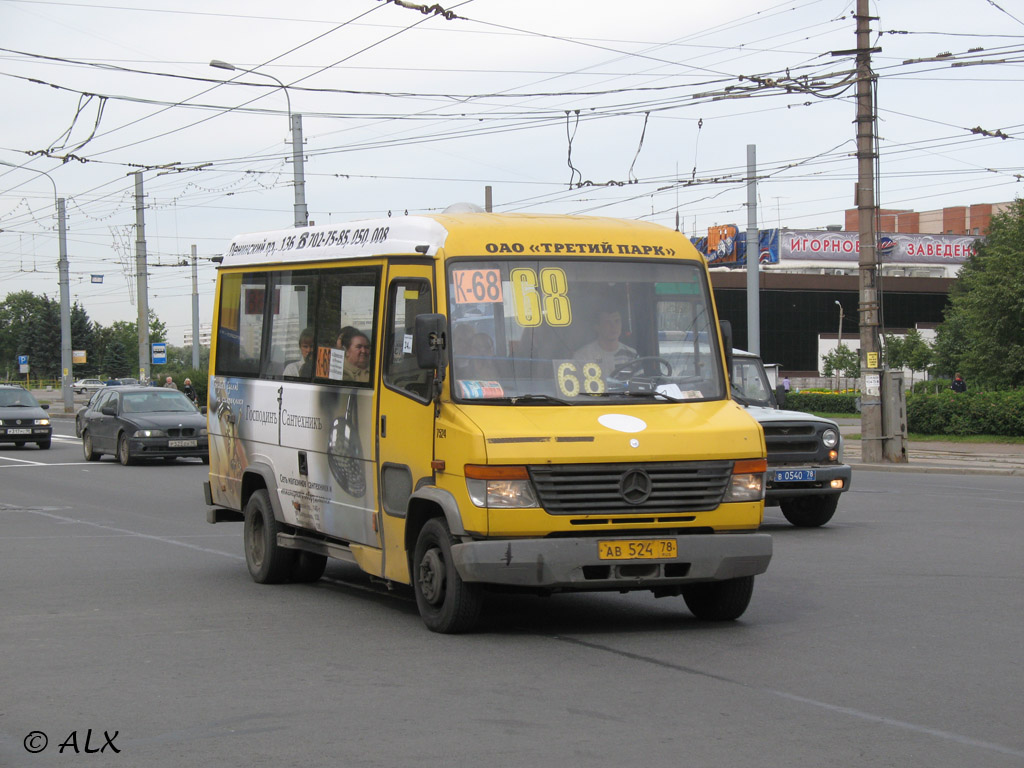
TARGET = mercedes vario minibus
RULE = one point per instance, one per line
(471, 401)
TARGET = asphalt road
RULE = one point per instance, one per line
(891, 637)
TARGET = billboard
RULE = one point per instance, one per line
(895, 248)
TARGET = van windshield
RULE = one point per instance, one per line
(749, 382)
(581, 331)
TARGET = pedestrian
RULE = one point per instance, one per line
(190, 391)
(958, 385)
(785, 383)
(169, 383)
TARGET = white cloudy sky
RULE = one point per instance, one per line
(406, 112)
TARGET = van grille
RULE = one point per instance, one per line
(794, 441)
(680, 486)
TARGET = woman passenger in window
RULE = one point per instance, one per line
(357, 354)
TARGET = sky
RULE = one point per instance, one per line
(637, 110)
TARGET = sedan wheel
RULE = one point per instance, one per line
(87, 449)
(124, 451)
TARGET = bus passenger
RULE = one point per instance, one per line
(304, 367)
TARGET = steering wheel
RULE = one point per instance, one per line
(636, 365)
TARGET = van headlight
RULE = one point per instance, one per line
(830, 438)
(500, 487)
(747, 481)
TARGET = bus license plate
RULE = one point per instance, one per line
(636, 549)
(793, 475)
(181, 443)
(18, 431)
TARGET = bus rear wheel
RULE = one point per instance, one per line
(268, 563)
(446, 603)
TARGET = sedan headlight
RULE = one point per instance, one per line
(204, 432)
(150, 433)
(42, 422)
(830, 438)
(747, 481)
(500, 487)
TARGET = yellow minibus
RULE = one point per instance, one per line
(468, 401)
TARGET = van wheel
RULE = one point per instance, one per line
(308, 567)
(809, 511)
(268, 563)
(87, 449)
(446, 603)
(719, 600)
(124, 450)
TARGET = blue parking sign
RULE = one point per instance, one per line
(22, 359)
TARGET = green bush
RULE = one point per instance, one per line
(967, 413)
(822, 402)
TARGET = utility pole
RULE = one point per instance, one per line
(870, 367)
(753, 256)
(141, 282)
(299, 176)
(66, 380)
(488, 201)
(195, 310)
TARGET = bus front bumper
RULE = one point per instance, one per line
(574, 563)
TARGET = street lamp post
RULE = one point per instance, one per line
(839, 344)
(65, 293)
(295, 123)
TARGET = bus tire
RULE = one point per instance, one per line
(446, 603)
(719, 600)
(809, 511)
(308, 567)
(268, 563)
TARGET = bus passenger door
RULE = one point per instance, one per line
(405, 421)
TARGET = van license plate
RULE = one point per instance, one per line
(637, 549)
(19, 431)
(793, 475)
(181, 443)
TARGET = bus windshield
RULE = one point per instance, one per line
(581, 331)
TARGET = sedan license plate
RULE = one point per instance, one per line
(636, 549)
(793, 475)
(18, 431)
(182, 443)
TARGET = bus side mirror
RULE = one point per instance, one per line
(726, 327)
(429, 341)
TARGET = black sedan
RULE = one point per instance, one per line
(134, 423)
(22, 418)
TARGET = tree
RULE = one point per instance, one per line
(983, 331)
(841, 361)
(917, 352)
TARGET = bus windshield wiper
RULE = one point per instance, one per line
(536, 399)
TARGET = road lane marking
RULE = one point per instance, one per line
(125, 532)
(849, 711)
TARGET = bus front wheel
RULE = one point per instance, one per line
(446, 603)
(268, 563)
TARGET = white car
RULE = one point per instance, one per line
(87, 385)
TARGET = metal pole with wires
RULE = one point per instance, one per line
(301, 218)
(63, 280)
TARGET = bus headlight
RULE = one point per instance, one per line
(500, 487)
(747, 481)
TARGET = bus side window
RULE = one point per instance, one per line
(292, 345)
(406, 300)
(240, 324)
